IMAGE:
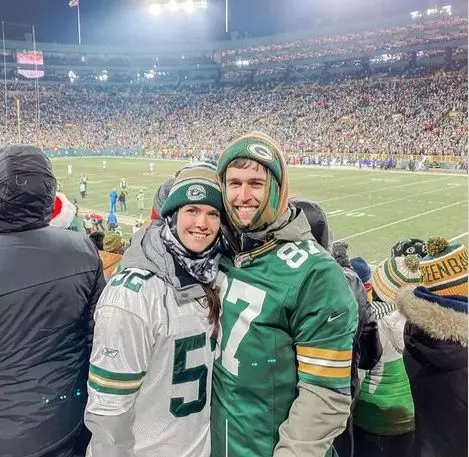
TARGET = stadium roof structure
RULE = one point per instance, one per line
(389, 41)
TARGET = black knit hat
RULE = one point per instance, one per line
(411, 246)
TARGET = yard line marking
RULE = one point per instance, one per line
(457, 237)
(342, 212)
(378, 190)
(344, 179)
(401, 220)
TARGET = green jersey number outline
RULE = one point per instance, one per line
(131, 280)
(255, 299)
(182, 374)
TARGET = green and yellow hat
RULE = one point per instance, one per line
(444, 268)
(394, 273)
(197, 184)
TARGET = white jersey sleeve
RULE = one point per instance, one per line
(122, 346)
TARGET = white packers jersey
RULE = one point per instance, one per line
(150, 372)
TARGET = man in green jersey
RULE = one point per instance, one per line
(281, 384)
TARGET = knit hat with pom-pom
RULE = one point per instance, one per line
(394, 273)
(444, 268)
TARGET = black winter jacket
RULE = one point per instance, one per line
(50, 281)
(435, 358)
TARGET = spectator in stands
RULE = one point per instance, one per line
(384, 413)
(312, 404)
(435, 353)
(111, 254)
(317, 220)
(423, 116)
(50, 281)
(363, 270)
(98, 240)
(367, 349)
(160, 196)
(159, 314)
(409, 246)
(63, 212)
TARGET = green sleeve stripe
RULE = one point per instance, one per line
(112, 390)
(105, 382)
(114, 376)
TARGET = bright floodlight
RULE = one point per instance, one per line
(173, 6)
(188, 6)
(155, 9)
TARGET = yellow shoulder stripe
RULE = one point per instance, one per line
(327, 354)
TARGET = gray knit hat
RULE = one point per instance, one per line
(197, 184)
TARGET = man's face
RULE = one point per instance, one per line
(245, 190)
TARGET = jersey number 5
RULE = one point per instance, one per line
(182, 374)
(255, 298)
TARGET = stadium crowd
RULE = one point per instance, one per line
(404, 323)
(387, 115)
(389, 39)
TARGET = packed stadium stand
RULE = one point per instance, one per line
(397, 87)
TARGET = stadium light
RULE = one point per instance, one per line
(188, 6)
(173, 6)
(155, 9)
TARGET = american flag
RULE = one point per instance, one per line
(74, 3)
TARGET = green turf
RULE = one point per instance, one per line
(371, 210)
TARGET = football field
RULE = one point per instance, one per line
(371, 210)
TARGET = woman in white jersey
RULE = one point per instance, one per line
(151, 366)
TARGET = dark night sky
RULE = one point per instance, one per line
(126, 21)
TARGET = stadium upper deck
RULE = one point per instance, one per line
(399, 42)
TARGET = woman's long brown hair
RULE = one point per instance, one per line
(214, 304)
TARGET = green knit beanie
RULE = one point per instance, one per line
(254, 147)
(195, 184)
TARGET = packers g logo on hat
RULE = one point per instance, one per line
(261, 152)
(196, 192)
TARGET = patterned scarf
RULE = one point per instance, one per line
(202, 267)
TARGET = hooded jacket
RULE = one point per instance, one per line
(301, 433)
(50, 280)
(435, 357)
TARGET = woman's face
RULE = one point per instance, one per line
(197, 226)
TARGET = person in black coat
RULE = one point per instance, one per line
(435, 353)
(50, 281)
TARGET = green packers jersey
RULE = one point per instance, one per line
(287, 315)
(385, 405)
